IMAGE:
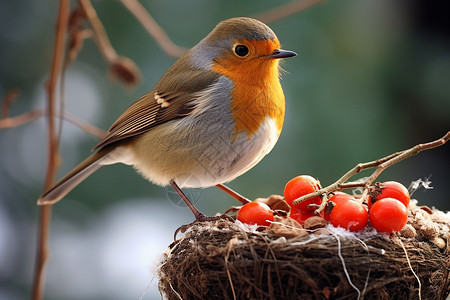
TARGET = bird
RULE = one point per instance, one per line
(216, 112)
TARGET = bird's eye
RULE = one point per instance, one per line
(241, 50)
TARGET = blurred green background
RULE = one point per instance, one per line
(371, 78)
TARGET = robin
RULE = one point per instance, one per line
(210, 118)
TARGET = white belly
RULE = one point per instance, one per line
(227, 160)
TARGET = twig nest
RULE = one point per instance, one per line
(230, 260)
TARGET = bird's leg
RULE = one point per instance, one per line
(199, 216)
(233, 194)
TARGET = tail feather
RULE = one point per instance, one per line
(72, 179)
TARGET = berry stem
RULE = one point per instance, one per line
(323, 204)
(380, 165)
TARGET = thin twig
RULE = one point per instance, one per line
(85, 126)
(380, 165)
(152, 27)
(105, 47)
(53, 155)
(286, 10)
(323, 203)
(16, 121)
(37, 113)
(121, 67)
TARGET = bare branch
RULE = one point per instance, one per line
(16, 121)
(53, 155)
(85, 126)
(100, 35)
(152, 27)
(121, 68)
(286, 10)
(37, 113)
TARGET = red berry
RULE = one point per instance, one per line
(301, 216)
(336, 198)
(301, 186)
(255, 213)
(388, 215)
(349, 214)
(390, 189)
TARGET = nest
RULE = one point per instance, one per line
(225, 260)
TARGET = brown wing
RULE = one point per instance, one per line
(171, 98)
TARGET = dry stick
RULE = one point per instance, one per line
(100, 35)
(53, 155)
(21, 119)
(323, 204)
(37, 113)
(75, 38)
(286, 10)
(6, 121)
(380, 165)
(152, 27)
(87, 127)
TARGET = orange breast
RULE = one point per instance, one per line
(257, 92)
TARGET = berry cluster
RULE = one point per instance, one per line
(385, 209)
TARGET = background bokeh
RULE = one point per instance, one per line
(371, 78)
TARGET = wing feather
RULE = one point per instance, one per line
(177, 92)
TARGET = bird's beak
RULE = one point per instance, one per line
(280, 53)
